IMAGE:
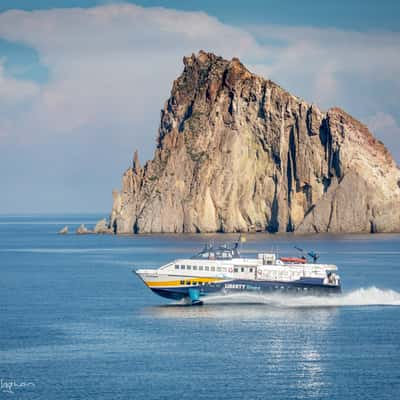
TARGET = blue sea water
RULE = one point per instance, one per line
(75, 323)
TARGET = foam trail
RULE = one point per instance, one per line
(371, 296)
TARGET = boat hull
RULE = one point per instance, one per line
(301, 287)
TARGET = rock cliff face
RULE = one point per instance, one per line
(236, 152)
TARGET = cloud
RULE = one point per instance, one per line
(334, 67)
(386, 128)
(111, 67)
(15, 95)
(13, 91)
(381, 122)
(113, 64)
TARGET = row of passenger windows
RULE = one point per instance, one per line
(200, 268)
(213, 269)
(194, 283)
(242, 269)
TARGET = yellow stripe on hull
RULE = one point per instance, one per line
(151, 284)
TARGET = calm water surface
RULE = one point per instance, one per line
(77, 324)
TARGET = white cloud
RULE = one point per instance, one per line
(382, 122)
(13, 91)
(386, 128)
(113, 64)
(15, 95)
(328, 66)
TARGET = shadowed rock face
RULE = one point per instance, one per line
(236, 152)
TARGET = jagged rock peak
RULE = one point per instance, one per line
(136, 163)
(236, 152)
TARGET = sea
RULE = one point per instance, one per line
(76, 323)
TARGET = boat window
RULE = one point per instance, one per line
(251, 269)
(224, 269)
(207, 268)
(188, 267)
(182, 267)
(194, 267)
(182, 282)
(194, 283)
(219, 269)
(212, 268)
(242, 269)
(200, 268)
(236, 269)
(176, 266)
(187, 282)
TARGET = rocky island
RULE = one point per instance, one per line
(237, 153)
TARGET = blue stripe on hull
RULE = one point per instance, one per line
(303, 286)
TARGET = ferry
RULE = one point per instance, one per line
(223, 270)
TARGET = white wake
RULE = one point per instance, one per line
(371, 296)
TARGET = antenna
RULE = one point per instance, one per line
(314, 255)
(301, 251)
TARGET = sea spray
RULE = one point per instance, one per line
(371, 296)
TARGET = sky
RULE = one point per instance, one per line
(82, 82)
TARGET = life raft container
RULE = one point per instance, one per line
(293, 260)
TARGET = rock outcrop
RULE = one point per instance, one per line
(103, 227)
(82, 230)
(63, 231)
(236, 152)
